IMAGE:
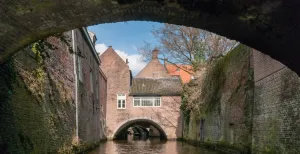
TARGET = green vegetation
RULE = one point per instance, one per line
(34, 119)
(225, 88)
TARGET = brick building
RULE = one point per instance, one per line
(152, 97)
(118, 83)
(103, 99)
(185, 72)
(91, 85)
(55, 95)
(154, 69)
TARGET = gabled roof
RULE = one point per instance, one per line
(154, 69)
(181, 71)
(156, 87)
(111, 51)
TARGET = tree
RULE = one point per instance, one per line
(187, 45)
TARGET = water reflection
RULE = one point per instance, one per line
(149, 146)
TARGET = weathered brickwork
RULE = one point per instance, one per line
(118, 80)
(224, 116)
(88, 99)
(268, 122)
(103, 102)
(167, 116)
(269, 26)
(154, 69)
(38, 107)
(276, 119)
(42, 102)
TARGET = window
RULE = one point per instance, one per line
(91, 82)
(121, 101)
(146, 101)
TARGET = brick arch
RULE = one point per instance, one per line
(272, 27)
(130, 122)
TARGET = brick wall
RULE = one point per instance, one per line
(154, 69)
(42, 106)
(88, 99)
(27, 23)
(221, 113)
(167, 116)
(38, 113)
(276, 117)
(118, 81)
(103, 102)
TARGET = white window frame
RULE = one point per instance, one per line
(121, 97)
(140, 99)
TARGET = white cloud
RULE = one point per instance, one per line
(135, 60)
(122, 54)
(135, 63)
(100, 48)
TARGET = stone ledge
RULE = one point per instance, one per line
(82, 147)
(220, 146)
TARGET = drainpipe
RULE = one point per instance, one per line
(76, 84)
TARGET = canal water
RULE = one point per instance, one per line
(149, 146)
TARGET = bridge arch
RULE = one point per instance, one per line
(138, 122)
(271, 27)
(141, 129)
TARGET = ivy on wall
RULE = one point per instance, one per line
(223, 96)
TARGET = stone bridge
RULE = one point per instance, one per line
(270, 26)
(165, 121)
(143, 122)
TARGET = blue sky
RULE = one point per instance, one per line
(125, 38)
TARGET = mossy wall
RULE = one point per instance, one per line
(276, 118)
(222, 97)
(37, 110)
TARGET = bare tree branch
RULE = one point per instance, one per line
(187, 45)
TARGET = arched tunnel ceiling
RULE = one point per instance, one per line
(140, 122)
(140, 129)
(270, 26)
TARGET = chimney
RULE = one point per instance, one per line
(127, 61)
(155, 54)
(110, 46)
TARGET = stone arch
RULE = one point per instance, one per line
(141, 128)
(131, 122)
(271, 27)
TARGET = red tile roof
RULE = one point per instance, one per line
(184, 71)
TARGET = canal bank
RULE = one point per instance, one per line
(221, 147)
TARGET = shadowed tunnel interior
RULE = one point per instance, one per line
(140, 127)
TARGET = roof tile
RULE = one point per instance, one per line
(156, 87)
